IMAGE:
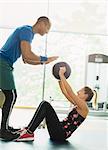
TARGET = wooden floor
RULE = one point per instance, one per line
(92, 135)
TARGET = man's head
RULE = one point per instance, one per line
(42, 25)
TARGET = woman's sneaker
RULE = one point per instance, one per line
(20, 130)
(7, 135)
(25, 136)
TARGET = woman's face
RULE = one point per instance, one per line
(81, 94)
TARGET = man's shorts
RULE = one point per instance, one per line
(6, 76)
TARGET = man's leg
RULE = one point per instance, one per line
(10, 98)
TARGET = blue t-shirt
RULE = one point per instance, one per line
(11, 50)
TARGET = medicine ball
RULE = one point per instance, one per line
(56, 68)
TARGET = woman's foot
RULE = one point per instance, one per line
(25, 136)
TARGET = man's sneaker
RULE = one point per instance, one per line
(7, 135)
(13, 130)
(25, 136)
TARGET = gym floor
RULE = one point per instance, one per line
(91, 135)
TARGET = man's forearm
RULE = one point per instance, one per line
(34, 59)
(31, 62)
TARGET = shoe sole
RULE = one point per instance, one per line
(24, 140)
(2, 139)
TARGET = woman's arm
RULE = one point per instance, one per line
(70, 92)
(65, 93)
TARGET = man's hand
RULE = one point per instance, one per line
(50, 59)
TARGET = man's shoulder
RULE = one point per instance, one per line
(25, 27)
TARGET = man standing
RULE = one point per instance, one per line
(18, 44)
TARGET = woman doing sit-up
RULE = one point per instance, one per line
(60, 130)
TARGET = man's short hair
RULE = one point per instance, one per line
(44, 19)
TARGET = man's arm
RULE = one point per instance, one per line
(29, 57)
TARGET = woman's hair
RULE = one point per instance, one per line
(89, 92)
(94, 101)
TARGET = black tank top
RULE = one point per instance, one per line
(72, 122)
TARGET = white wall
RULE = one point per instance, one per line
(84, 16)
(79, 28)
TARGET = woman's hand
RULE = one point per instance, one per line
(62, 71)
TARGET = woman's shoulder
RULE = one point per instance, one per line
(83, 112)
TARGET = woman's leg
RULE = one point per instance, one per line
(45, 110)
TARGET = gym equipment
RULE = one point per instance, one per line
(97, 78)
(2, 99)
(56, 67)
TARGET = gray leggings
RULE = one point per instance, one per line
(45, 110)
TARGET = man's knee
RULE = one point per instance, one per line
(2, 99)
